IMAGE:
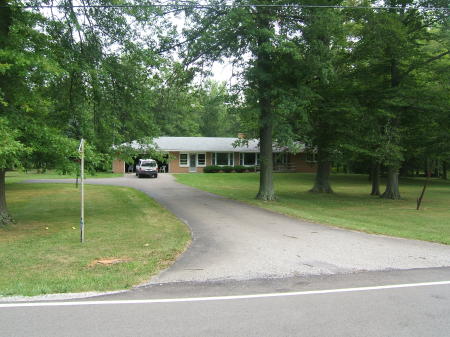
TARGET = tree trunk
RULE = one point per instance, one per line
(436, 170)
(392, 190)
(375, 179)
(264, 86)
(266, 191)
(5, 218)
(444, 170)
(322, 181)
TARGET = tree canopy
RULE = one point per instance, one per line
(357, 81)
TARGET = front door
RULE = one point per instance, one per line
(192, 163)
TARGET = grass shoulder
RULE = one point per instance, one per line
(350, 206)
(41, 252)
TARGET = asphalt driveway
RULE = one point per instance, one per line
(235, 241)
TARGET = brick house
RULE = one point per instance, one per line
(192, 154)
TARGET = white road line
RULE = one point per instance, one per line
(221, 298)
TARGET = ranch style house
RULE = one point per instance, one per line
(192, 154)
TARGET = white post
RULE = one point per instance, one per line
(81, 150)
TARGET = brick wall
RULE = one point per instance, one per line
(209, 157)
(300, 163)
(236, 159)
(118, 166)
(174, 164)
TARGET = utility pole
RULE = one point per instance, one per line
(81, 151)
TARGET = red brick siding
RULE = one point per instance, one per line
(174, 164)
(300, 163)
(118, 166)
(236, 159)
(209, 157)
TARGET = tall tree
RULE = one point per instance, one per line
(233, 29)
(391, 63)
(22, 70)
(76, 71)
(310, 103)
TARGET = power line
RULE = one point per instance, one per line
(198, 6)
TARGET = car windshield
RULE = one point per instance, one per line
(149, 164)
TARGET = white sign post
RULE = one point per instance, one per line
(81, 150)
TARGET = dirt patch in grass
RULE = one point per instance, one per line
(108, 261)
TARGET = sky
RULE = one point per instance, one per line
(222, 72)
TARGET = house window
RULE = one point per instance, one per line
(311, 157)
(249, 159)
(201, 159)
(183, 159)
(223, 159)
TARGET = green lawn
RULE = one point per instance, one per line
(350, 206)
(16, 176)
(42, 254)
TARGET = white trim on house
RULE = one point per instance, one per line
(204, 162)
(187, 159)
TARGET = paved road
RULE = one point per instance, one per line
(414, 310)
(232, 240)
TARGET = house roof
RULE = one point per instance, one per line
(204, 144)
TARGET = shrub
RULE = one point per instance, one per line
(227, 169)
(211, 169)
(240, 168)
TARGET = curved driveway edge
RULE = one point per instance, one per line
(236, 241)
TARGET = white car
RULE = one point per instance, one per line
(147, 167)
